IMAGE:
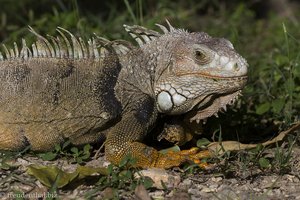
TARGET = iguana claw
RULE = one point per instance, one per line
(172, 159)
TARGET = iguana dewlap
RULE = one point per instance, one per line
(65, 88)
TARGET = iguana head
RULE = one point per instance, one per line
(195, 72)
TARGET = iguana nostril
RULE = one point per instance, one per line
(242, 69)
(230, 66)
(236, 67)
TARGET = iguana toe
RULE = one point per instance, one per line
(172, 159)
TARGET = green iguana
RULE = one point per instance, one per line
(65, 88)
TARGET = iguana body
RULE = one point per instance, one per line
(64, 88)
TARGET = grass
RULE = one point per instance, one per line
(270, 102)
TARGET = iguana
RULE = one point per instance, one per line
(66, 88)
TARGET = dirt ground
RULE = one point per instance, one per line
(248, 183)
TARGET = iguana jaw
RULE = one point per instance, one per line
(203, 107)
(211, 106)
(178, 95)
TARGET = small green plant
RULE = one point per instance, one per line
(123, 176)
(283, 155)
(5, 157)
(58, 150)
(79, 155)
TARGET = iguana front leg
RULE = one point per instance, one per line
(179, 130)
(126, 136)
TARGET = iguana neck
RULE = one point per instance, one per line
(136, 77)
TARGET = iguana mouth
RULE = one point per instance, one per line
(207, 75)
(211, 106)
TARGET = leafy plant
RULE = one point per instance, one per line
(123, 177)
(81, 155)
(77, 154)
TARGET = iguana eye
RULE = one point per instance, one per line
(201, 57)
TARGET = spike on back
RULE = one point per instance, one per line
(171, 28)
(65, 45)
(143, 35)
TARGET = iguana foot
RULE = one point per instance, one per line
(180, 131)
(172, 159)
(149, 157)
(175, 134)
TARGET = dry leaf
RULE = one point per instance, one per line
(221, 147)
(50, 175)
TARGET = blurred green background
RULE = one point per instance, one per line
(265, 32)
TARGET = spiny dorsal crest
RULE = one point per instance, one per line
(143, 35)
(66, 45)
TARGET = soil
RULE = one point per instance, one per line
(239, 183)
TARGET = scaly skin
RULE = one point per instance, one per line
(66, 88)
